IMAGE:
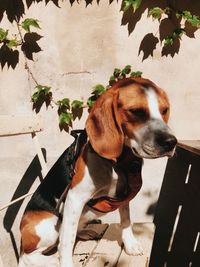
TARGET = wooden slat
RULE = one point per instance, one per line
(15, 125)
(144, 234)
(190, 145)
(84, 248)
(40, 155)
(108, 249)
(15, 201)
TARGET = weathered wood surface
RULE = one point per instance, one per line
(15, 125)
(190, 145)
(108, 251)
(176, 240)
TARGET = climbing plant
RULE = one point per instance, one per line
(69, 110)
(175, 19)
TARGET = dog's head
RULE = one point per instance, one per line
(134, 112)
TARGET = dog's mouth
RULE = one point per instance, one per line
(149, 152)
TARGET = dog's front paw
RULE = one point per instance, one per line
(133, 247)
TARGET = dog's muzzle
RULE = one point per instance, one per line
(166, 141)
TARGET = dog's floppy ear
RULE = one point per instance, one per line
(103, 126)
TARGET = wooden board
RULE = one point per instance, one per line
(190, 145)
(177, 214)
(15, 125)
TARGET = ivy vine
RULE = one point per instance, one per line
(176, 22)
(69, 110)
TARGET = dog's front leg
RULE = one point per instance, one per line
(74, 203)
(131, 245)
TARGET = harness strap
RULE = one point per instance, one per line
(64, 194)
(73, 153)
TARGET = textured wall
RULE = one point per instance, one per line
(81, 46)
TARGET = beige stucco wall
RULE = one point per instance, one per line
(81, 47)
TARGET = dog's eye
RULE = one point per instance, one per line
(164, 111)
(139, 112)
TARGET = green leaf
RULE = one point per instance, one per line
(27, 23)
(192, 19)
(35, 97)
(3, 34)
(169, 41)
(65, 118)
(77, 104)
(43, 89)
(126, 70)
(12, 43)
(136, 74)
(176, 34)
(126, 5)
(116, 73)
(98, 90)
(179, 14)
(91, 100)
(156, 13)
(135, 4)
(64, 103)
(112, 80)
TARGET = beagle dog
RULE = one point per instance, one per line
(126, 124)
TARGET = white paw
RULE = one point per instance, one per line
(133, 247)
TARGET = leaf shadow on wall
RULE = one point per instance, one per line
(14, 10)
(8, 56)
(166, 26)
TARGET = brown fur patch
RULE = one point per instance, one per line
(103, 126)
(29, 238)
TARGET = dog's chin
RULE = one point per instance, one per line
(141, 153)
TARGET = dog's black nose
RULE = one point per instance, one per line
(166, 141)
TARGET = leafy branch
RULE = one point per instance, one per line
(134, 4)
(26, 40)
(8, 41)
(69, 110)
(177, 22)
(158, 13)
(28, 23)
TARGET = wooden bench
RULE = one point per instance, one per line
(177, 236)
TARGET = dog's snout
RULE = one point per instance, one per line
(166, 141)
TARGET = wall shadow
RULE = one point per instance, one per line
(177, 240)
(166, 26)
(15, 9)
(32, 173)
